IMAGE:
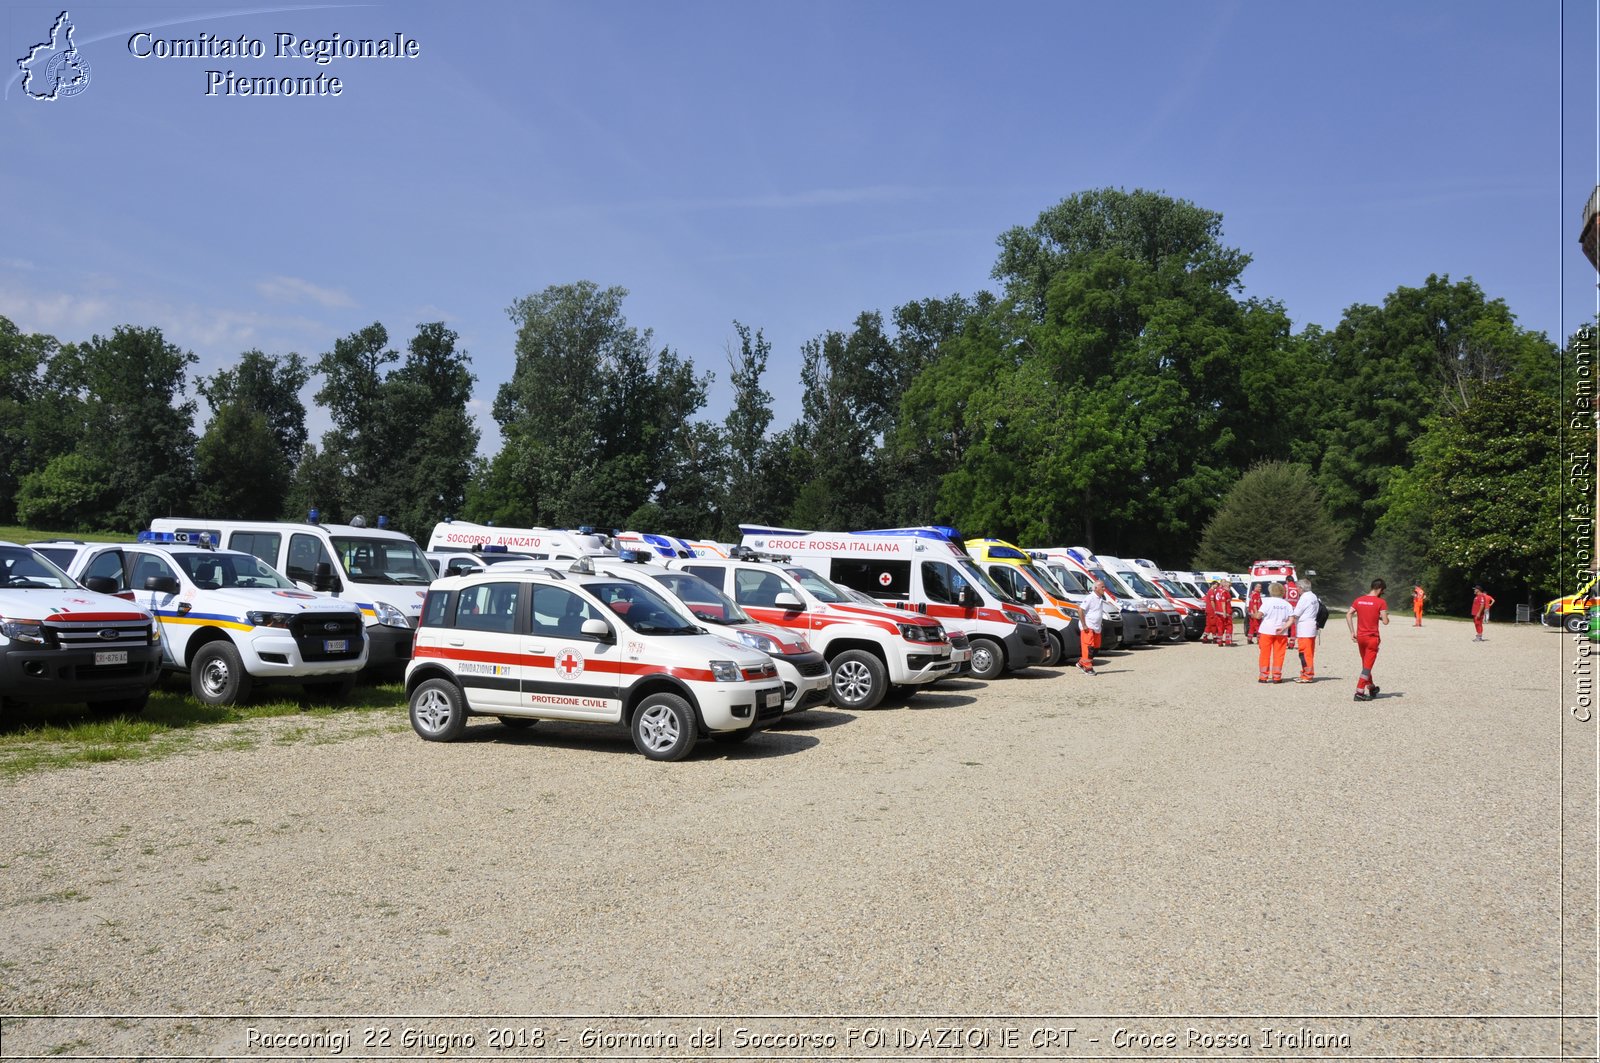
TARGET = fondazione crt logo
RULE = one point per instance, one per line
(54, 69)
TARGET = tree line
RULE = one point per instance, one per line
(1116, 390)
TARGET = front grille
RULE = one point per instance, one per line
(769, 712)
(311, 634)
(767, 670)
(809, 668)
(89, 635)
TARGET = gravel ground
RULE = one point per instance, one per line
(1167, 838)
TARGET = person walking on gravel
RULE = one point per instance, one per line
(1305, 631)
(1481, 601)
(1363, 618)
(1418, 596)
(1094, 611)
(1273, 635)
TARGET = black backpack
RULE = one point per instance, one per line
(1322, 614)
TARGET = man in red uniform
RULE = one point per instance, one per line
(1366, 613)
(1481, 601)
(1224, 596)
(1291, 594)
(1210, 600)
(1418, 596)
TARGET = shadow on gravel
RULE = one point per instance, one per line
(938, 699)
(557, 734)
(813, 720)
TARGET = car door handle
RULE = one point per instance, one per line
(535, 649)
(458, 642)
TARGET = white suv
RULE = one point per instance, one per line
(227, 618)
(570, 644)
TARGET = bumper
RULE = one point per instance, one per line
(39, 673)
(1194, 625)
(388, 648)
(1024, 647)
(1135, 629)
(739, 706)
(807, 679)
(1071, 642)
(915, 669)
(280, 655)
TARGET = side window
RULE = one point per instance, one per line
(305, 553)
(559, 613)
(146, 566)
(712, 574)
(754, 587)
(108, 564)
(263, 544)
(1012, 582)
(941, 582)
(436, 608)
(877, 579)
(487, 607)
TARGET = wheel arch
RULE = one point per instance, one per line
(662, 684)
(201, 638)
(843, 645)
(424, 672)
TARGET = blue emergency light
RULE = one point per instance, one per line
(383, 521)
(314, 516)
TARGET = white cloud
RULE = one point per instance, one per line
(294, 289)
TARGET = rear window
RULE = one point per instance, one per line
(435, 608)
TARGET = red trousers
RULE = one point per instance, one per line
(1273, 647)
(1368, 646)
(1477, 623)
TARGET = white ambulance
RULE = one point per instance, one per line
(869, 648)
(573, 644)
(229, 620)
(541, 544)
(1016, 574)
(925, 571)
(1119, 628)
(379, 571)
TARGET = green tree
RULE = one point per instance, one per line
(1273, 511)
(135, 455)
(1425, 351)
(38, 421)
(246, 457)
(744, 432)
(593, 417)
(365, 433)
(240, 471)
(436, 441)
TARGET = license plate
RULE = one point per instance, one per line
(774, 697)
(335, 645)
(111, 657)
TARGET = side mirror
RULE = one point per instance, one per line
(322, 579)
(785, 600)
(967, 598)
(598, 629)
(161, 584)
(101, 584)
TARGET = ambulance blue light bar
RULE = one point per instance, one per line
(181, 537)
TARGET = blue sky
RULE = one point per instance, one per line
(787, 165)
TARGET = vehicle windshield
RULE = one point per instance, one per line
(704, 601)
(1239, 590)
(382, 560)
(977, 575)
(210, 571)
(1140, 585)
(820, 589)
(861, 599)
(23, 568)
(1174, 588)
(1046, 580)
(1070, 579)
(642, 608)
(1113, 584)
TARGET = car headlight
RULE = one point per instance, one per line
(261, 618)
(23, 630)
(390, 616)
(757, 641)
(726, 672)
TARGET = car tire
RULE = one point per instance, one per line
(1055, 649)
(860, 681)
(438, 711)
(988, 659)
(330, 691)
(217, 675)
(663, 727)
(121, 706)
(1577, 624)
(517, 723)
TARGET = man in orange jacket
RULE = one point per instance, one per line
(1418, 596)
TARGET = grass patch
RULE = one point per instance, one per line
(40, 736)
(13, 534)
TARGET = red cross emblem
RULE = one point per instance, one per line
(569, 663)
(885, 579)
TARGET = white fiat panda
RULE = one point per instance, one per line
(564, 643)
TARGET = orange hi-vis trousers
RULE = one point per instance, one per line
(1088, 642)
(1308, 656)
(1273, 647)
(1416, 607)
